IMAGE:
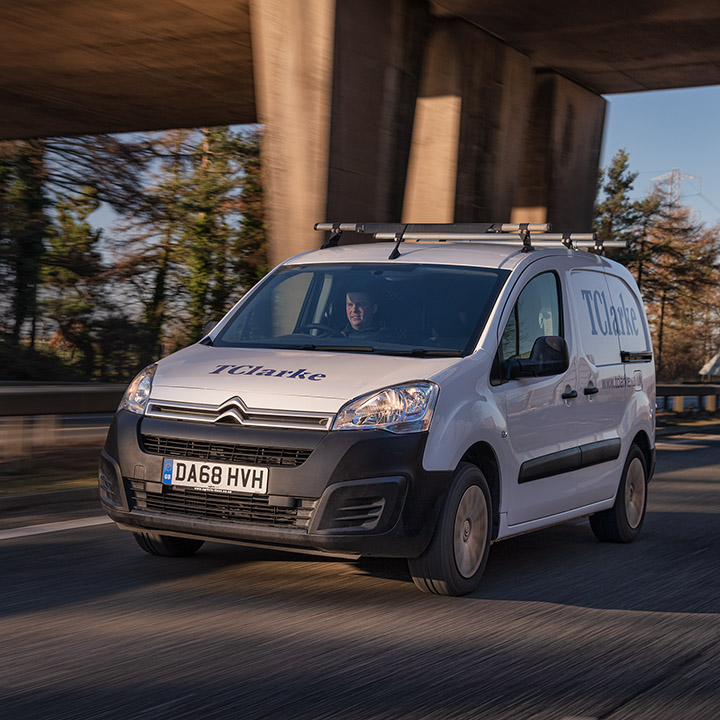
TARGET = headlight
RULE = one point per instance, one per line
(400, 409)
(137, 395)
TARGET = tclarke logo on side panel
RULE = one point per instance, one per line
(609, 319)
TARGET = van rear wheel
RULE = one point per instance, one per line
(623, 521)
(167, 545)
(455, 559)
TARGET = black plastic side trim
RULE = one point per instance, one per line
(600, 452)
(635, 357)
(552, 464)
(568, 460)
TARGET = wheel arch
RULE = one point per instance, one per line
(483, 456)
(642, 440)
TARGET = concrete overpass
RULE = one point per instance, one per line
(375, 109)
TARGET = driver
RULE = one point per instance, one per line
(361, 308)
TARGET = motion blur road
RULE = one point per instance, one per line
(562, 626)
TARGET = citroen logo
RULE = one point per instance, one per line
(234, 409)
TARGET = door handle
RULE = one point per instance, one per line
(590, 390)
(569, 395)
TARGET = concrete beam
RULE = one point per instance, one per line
(93, 66)
(558, 177)
(611, 47)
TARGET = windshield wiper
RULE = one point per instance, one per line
(425, 352)
(280, 346)
(413, 352)
(341, 348)
(309, 346)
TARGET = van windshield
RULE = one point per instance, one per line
(392, 309)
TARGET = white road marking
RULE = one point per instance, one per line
(685, 437)
(53, 527)
(678, 446)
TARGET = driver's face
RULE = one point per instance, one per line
(360, 310)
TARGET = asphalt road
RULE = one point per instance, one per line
(562, 627)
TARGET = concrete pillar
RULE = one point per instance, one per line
(14, 437)
(558, 178)
(45, 430)
(433, 163)
(470, 122)
(292, 45)
(336, 83)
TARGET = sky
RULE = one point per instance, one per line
(666, 130)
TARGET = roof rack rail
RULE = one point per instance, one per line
(530, 235)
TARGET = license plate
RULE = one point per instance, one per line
(215, 477)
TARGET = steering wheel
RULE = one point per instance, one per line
(325, 330)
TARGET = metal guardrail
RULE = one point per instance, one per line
(687, 390)
(705, 393)
(60, 399)
(31, 415)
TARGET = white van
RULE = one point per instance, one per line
(422, 400)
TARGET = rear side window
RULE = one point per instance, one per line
(536, 314)
(597, 317)
(628, 314)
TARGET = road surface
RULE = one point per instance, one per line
(563, 627)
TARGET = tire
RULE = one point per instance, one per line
(623, 521)
(167, 545)
(455, 559)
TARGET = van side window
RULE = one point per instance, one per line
(536, 314)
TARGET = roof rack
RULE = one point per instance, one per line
(530, 235)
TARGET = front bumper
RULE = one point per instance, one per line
(361, 492)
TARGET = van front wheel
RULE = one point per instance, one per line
(455, 559)
(623, 521)
(167, 545)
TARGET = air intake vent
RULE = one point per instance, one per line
(185, 502)
(108, 483)
(224, 452)
(359, 513)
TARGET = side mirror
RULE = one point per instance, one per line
(514, 368)
(549, 356)
(205, 340)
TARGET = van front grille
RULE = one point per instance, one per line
(228, 507)
(224, 452)
(235, 412)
